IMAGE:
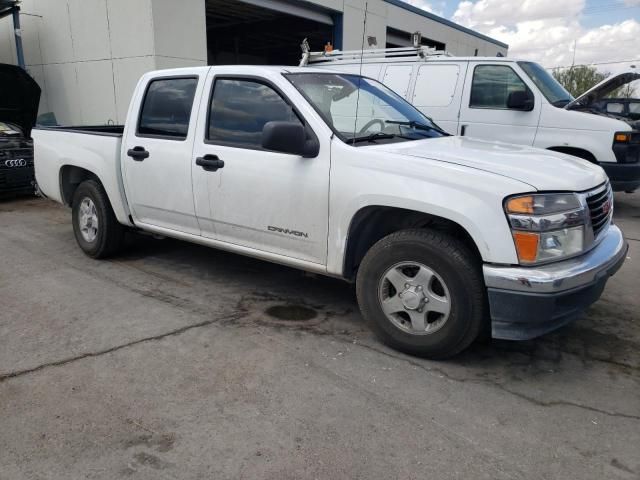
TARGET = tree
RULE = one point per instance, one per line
(578, 79)
(626, 91)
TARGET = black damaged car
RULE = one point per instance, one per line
(19, 99)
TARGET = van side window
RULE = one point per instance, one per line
(239, 110)
(166, 108)
(492, 85)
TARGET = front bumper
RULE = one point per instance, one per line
(526, 302)
(17, 179)
(624, 177)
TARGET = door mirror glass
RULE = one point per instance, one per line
(520, 100)
(289, 137)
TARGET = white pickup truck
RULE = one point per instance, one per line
(443, 235)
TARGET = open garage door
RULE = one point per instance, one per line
(267, 32)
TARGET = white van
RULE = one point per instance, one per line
(499, 98)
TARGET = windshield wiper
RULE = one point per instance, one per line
(418, 125)
(371, 138)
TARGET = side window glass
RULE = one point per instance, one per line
(492, 85)
(239, 110)
(166, 108)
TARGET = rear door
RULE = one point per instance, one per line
(156, 156)
(485, 113)
(264, 200)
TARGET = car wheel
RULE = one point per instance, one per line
(423, 293)
(97, 231)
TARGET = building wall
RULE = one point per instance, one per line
(87, 55)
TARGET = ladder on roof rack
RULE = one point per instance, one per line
(421, 52)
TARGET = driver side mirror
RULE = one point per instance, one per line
(289, 137)
(520, 100)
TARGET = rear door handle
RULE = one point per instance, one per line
(210, 163)
(463, 129)
(138, 153)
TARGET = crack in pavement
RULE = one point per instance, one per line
(18, 373)
(500, 386)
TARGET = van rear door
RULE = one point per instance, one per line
(499, 103)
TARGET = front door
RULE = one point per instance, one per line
(268, 201)
(485, 112)
(156, 156)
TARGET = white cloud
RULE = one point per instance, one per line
(491, 13)
(547, 30)
(427, 5)
(632, 3)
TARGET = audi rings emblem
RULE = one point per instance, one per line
(18, 162)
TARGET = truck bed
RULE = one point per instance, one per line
(71, 152)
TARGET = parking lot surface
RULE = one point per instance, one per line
(177, 361)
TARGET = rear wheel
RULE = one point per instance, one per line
(97, 231)
(422, 292)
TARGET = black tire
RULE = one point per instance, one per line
(454, 263)
(110, 233)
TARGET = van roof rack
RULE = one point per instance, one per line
(386, 54)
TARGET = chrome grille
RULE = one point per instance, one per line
(600, 203)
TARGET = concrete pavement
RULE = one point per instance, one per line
(163, 363)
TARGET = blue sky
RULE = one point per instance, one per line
(603, 31)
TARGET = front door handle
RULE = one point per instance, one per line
(138, 153)
(210, 163)
(463, 130)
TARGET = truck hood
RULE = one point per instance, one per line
(19, 98)
(541, 169)
(602, 89)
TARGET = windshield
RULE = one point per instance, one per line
(361, 110)
(549, 86)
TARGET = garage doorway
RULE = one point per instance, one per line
(267, 32)
(397, 38)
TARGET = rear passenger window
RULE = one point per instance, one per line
(166, 108)
(492, 85)
(239, 110)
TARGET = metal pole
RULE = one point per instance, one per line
(18, 36)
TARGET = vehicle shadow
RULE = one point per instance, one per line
(587, 340)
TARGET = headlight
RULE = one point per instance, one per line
(547, 227)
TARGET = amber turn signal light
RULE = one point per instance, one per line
(622, 137)
(526, 246)
(520, 205)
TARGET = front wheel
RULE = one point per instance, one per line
(422, 292)
(95, 226)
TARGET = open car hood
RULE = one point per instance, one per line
(604, 88)
(19, 98)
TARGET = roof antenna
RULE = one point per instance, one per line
(364, 33)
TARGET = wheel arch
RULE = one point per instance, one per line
(576, 152)
(71, 176)
(374, 222)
